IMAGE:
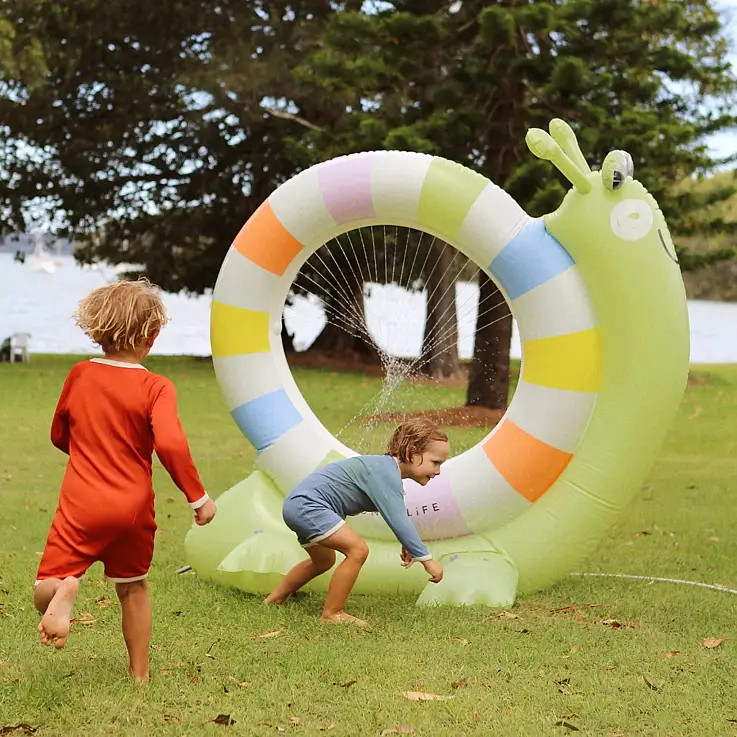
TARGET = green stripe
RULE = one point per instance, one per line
(447, 194)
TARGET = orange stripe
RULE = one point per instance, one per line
(266, 242)
(529, 465)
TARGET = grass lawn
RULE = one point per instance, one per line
(603, 656)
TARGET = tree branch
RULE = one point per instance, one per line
(290, 116)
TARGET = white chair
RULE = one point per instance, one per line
(19, 347)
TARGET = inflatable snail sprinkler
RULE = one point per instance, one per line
(597, 293)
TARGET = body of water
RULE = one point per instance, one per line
(38, 298)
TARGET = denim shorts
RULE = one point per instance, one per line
(311, 521)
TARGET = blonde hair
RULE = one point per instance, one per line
(120, 315)
(414, 436)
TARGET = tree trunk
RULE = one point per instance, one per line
(440, 341)
(345, 331)
(488, 381)
(287, 338)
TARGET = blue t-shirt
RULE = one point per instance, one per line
(370, 483)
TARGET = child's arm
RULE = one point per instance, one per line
(170, 444)
(60, 423)
(391, 507)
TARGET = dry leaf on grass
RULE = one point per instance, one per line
(563, 682)
(86, 618)
(103, 602)
(293, 720)
(713, 539)
(461, 641)
(350, 683)
(462, 683)
(650, 685)
(671, 654)
(223, 720)
(268, 635)
(328, 727)
(508, 615)
(26, 728)
(711, 642)
(398, 730)
(568, 725)
(422, 696)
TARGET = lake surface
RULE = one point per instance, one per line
(40, 303)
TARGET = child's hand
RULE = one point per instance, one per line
(407, 559)
(434, 569)
(204, 514)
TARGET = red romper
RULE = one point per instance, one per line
(110, 418)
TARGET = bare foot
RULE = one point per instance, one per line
(143, 678)
(56, 622)
(272, 600)
(342, 617)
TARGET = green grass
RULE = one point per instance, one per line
(507, 676)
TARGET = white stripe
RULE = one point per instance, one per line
(299, 207)
(297, 453)
(555, 416)
(245, 377)
(133, 579)
(396, 184)
(242, 283)
(557, 307)
(325, 535)
(200, 502)
(484, 498)
(493, 220)
(118, 364)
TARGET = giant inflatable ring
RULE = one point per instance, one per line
(599, 301)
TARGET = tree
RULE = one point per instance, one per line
(465, 81)
(162, 138)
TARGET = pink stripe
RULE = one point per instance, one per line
(433, 510)
(345, 184)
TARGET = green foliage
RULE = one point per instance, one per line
(152, 136)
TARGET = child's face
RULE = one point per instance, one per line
(426, 465)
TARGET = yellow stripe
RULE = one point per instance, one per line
(235, 331)
(571, 362)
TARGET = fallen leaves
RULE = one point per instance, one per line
(223, 720)
(423, 696)
(347, 685)
(86, 618)
(616, 624)
(398, 730)
(570, 726)
(650, 684)
(461, 641)
(670, 654)
(461, 683)
(27, 728)
(269, 635)
(711, 642)
(104, 602)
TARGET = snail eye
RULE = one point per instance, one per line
(617, 166)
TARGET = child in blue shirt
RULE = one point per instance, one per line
(317, 507)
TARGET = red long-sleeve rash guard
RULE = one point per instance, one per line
(110, 418)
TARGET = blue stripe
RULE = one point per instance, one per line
(265, 419)
(530, 259)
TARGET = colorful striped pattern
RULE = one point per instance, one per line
(551, 409)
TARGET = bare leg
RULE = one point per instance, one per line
(54, 598)
(353, 546)
(136, 606)
(320, 561)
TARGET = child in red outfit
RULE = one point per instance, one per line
(111, 416)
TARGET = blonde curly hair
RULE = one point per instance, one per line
(119, 316)
(414, 436)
